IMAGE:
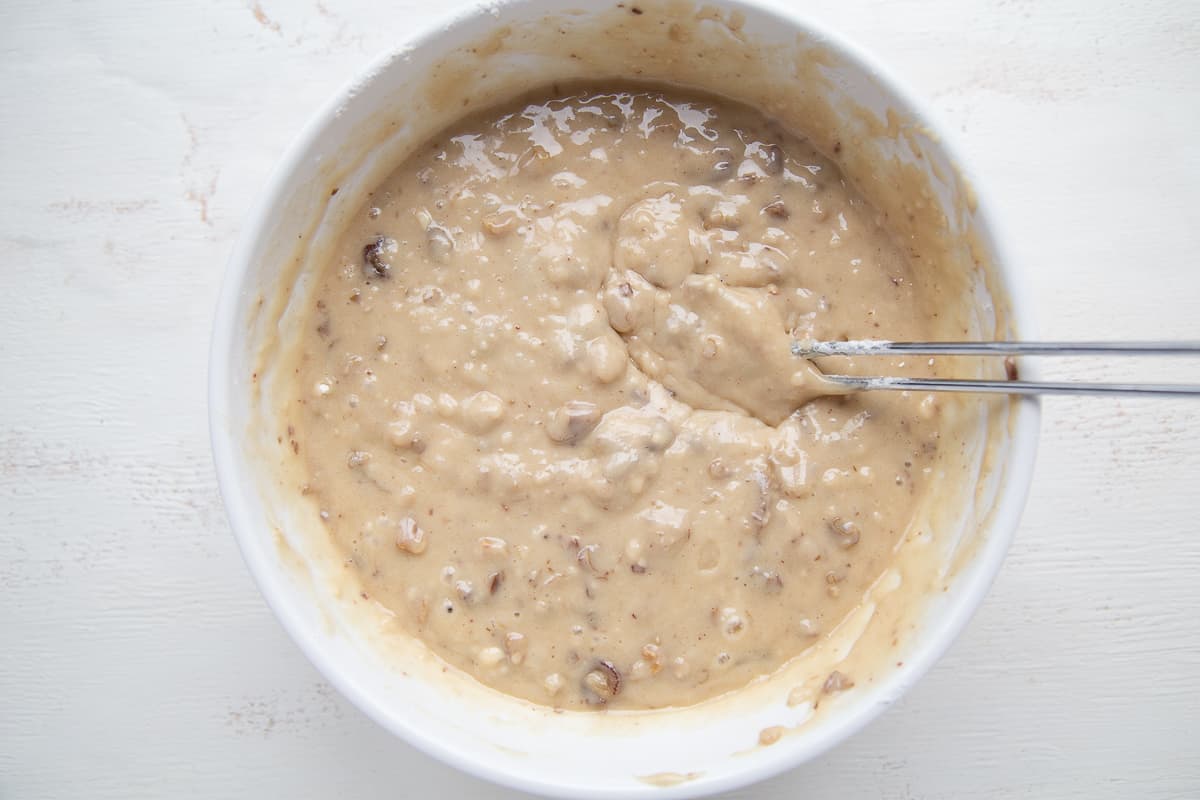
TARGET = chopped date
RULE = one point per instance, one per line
(495, 581)
(375, 257)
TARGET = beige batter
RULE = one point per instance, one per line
(546, 405)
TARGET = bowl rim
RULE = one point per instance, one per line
(236, 485)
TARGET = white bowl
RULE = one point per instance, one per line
(764, 55)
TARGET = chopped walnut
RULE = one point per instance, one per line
(516, 645)
(776, 209)
(572, 421)
(411, 537)
(603, 682)
(846, 532)
(836, 682)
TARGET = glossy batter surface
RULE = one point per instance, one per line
(546, 405)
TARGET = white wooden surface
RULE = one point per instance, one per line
(136, 656)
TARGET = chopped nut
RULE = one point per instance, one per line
(652, 653)
(793, 479)
(402, 433)
(762, 508)
(482, 410)
(776, 209)
(836, 682)
(516, 645)
(680, 667)
(584, 557)
(553, 683)
(411, 537)
(845, 531)
(723, 214)
(491, 656)
(499, 223)
(628, 303)
(439, 241)
(492, 546)
(767, 156)
(927, 408)
(662, 435)
(771, 735)
(606, 358)
(465, 589)
(732, 623)
(572, 421)
(447, 406)
(634, 554)
(603, 682)
(767, 580)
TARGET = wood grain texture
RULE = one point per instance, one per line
(137, 658)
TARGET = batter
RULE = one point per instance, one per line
(546, 406)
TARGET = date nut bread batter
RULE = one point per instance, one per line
(546, 406)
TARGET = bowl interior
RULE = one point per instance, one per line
(766, 58)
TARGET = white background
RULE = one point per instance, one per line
(138, 659)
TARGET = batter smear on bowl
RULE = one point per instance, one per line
(545, 402)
